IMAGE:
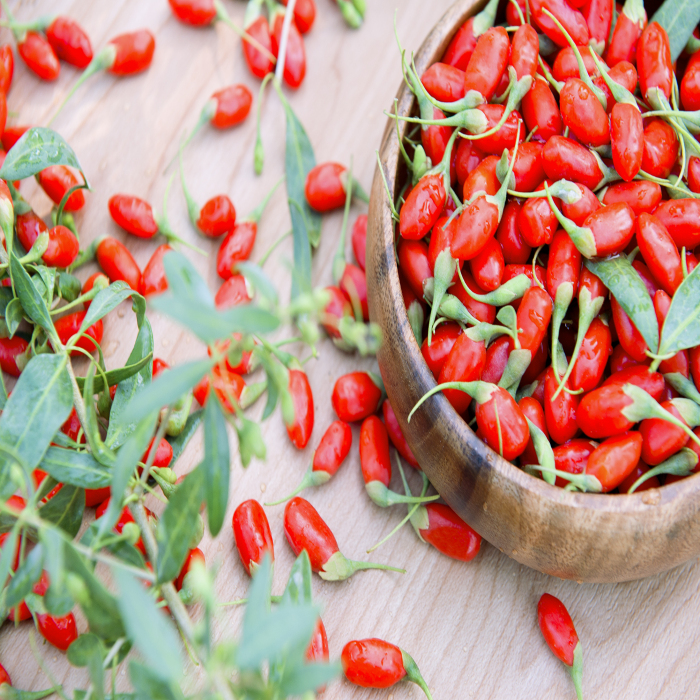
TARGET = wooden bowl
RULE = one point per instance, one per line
(585, 537)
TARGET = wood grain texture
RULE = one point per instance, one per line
(471, 628)
(584, 537)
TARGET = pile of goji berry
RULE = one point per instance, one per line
(546, 233)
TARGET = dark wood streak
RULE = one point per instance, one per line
(585, 537)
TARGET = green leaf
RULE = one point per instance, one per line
(26, 576)
(119, 427)
(180, 442)
(98, 605)
(57, 599)
(285, 628)
(45, 282)
(166, 389)
(148, 627)
(69, 286)
(184, 281)
(14, 313)
(258, 606)
(122, 550)
(116, 375)
(298, 589)
(7, 553)
(178, 525)
(260, 281)
(38, 148)
(127, 457)
(681, 329)
(210, 325)
(625, 284)
(76, 468)
(108, 299)
(305, 678)
(149, 686)
(216, 464)
(678, 18)
(32, 301)
(36, 409)
(82, 649)
(299, 159)
(65, 509)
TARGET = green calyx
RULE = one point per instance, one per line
(445, 267)
(416, 317)
(619, 92)
(582, 237)
(102, 60)
(338, 567)
(507, 293)
(588, 309)
(481, 392)
(413, 674)
(689, 410)
(518, 362)
(681, 464)
(384, 497)
(543, 448)
(350, 14)
(685, 387)
(310, 478)
(580, 482)
(562, 299)
(576, 671)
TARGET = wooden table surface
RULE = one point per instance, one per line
(472, 628)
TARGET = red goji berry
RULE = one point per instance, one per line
(300, 429)
(558, 631)
(233, 292)
(295, 56)
(196, 13)
(68, 326)
(133, 52)
(325, 186)
(627, 138)
(7, 67)
(39, 56)
(13, 355)
(515, 249)
(628, 28)
(69, 41)
(305, 529)
(356, 396)
(661, 148)
(541, 111)
(565, 65)
(444, 82)
(133, 214)
(153, 279)
(56, 180)
(117, 262)
(39, 588)
(259, 63)
(571, 19)
(564, 159)
(251, 531)
(374, 663)
(60, 632)
(583, 113)
(488, 62)
(641, 195)
(654, 63)
(681, 217)
(614, 459)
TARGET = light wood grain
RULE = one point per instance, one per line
(471, 628)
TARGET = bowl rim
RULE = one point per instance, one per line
(389, 157)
